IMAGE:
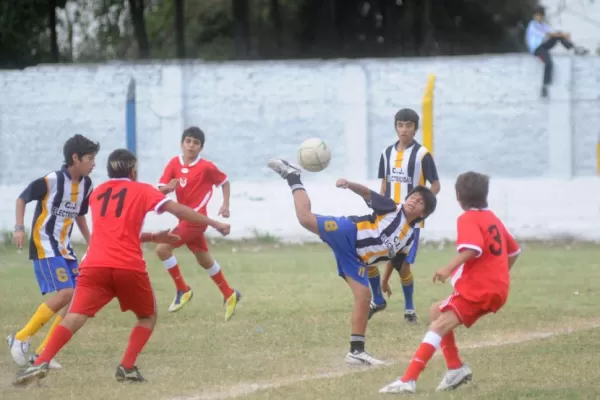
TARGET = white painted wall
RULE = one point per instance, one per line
(488, 117)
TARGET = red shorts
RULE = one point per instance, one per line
(96, 287)
(192, 236)
(467, 312)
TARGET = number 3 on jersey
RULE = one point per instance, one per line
(496, 247)
(106, 198)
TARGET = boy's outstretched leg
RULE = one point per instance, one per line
(301, 200)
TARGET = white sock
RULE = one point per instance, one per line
(212, 271)
(170, 262)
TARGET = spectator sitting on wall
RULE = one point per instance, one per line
(540, 38)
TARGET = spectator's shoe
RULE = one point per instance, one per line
(581, 51)
(544, 92)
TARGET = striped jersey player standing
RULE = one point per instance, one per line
(62, 200)
(403, 166)
(358, 242)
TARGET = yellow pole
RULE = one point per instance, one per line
(427, 116)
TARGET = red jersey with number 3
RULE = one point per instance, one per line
(485, 278)
(119, 207)
(195, 181)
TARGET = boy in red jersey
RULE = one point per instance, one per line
(481, 281)
(193, 178)
(114, 265)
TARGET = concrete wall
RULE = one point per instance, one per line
(488, 117)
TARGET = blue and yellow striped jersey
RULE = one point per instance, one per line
(384, 233)
(59, 201)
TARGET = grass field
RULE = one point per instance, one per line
(290, 333)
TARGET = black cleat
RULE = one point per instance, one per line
(129, 375)
(410, 316)
(375, 308)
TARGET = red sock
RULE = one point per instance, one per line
(422, 356)
(137, 340)
(59, 338)
(450, 351)
(180, 284)
(219, 279)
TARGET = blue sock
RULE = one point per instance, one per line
(375, 282)
(408, 287)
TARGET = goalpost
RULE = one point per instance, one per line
(427, 114)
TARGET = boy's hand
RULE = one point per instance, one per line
(172, 185)
(385, 288)
(442, 274)
(224, 211)
(222, 228)
(342, 183)
(19, 238)
(165, 236)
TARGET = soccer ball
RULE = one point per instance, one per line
(314, 155)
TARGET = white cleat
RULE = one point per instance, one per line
(399, 386)
(455, 378)
(18, 350)
(282, 167)
(362, 358)
(53, 364)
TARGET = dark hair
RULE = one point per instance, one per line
(120, 163)
(472, 189)
(194, 132)
(79, 145)
(539, 10)
(429, 200)
(407, 114)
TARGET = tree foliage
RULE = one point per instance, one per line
(255, 29)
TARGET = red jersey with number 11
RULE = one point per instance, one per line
(119, 207)
(484, 279)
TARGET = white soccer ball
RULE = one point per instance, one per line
(314, 155)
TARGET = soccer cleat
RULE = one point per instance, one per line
(231, 303)
(129, 375)
(18, 350)
(375, 308)
(53, 364)
(410, 316)
(455, 378)
(180, 300)
(362, 358)
(399, 386)
(31, 374)
(282, 167)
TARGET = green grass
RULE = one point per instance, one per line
(293, 322)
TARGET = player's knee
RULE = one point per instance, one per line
(64, 296)
(148, 321)
(405, 270)
(434, 311)
(163, 251)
